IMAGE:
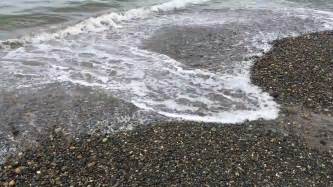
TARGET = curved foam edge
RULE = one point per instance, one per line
(235, 117)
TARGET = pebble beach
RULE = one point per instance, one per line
(260, 153)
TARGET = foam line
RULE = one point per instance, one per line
(113, 19)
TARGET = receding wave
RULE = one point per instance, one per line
(106, 52)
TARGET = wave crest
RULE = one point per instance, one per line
(113, 20)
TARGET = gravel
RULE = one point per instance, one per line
(173, 154)
(28, 113)
(299, 71)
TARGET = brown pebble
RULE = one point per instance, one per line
(57, 130)
(18, 170)
(91, 164)
(12, 183)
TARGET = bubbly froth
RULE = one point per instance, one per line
(106, 52)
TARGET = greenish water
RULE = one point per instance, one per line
(322, 4)
(18, 15)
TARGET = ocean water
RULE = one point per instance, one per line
(99, 43)
(100, 46)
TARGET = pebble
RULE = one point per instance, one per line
(105, 140)
(57, 130)
(18, 170)
(12, 183)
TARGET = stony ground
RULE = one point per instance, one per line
(173, 154)
(299, 71)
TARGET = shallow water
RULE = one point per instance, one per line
(20, 16)
(102, 45)
(106, 52)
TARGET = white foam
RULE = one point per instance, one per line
(175, 4)
(113, 20)
(112, 60)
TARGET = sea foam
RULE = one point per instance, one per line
(104, 52)
(113, 19)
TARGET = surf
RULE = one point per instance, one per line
(105, 52)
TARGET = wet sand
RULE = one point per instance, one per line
(295, 149)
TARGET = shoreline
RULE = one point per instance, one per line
(288, 150)
(297, 72)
